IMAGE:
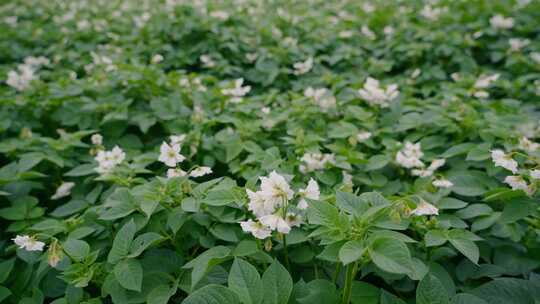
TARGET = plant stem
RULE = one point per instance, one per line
(336, 273)
(286, 252)
(351, 271)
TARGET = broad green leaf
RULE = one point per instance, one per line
(202, 264)
(364, 293)
(122, 242)
(431, 291)
(212, 294)
(142, 242)
(76, 249)
(319, 292)
(246, 282)
(390, 255)
(351, 251)
(277, 284)
(129, 274)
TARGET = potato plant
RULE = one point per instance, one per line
(270, 152)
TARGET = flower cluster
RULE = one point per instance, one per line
(321, 97)
(315, 161)
(170, 155)
(236, 92)
(518, 181)
(303, 67)
(499, 22)
(375, 95)
(272, 206)
(410, 157)
(21, 78)
(108, 160)
(482, 83)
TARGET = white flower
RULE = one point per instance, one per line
(321, 97)
(257, 229)
(347, 179)
(375, 95)
(207, 61)
(275, 189)
(200, 171)
(108, 160)
(315, 161)
(63, 191)
(28, 243)
(221, 15)
(157, 59)
(11, 20)
(36, 62)
(535, 56)
(535, 174)
(388, 31)
(301, 68)
(177, 139)
(485, 81)
(258, 205)
(311, 191)
(517, 44)
(366, 31)
(363, 136)
(275, 222)
(345, 34)
(502, 160)
(409, 156)
(517, 182)
(416, 73)
(500, 22)
(527, 145)
(432, 13)
(265, 110)
(436, 164)
(170, 155)
(481, 94)
(293, 220)
(97, 139)
(237, 92)
(442, 183)
(425, 208)
(21, 80)
(175, 172)
(422, 172)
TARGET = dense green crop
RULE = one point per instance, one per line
(270, 152)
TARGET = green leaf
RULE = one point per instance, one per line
(120, 204)
(458, 150)
(322, 213)
(221, 197)
(129, 273)
(364, 293)
(122, 242)
(351, 251)
(390, 255)
(462, 240)
(212, 294)
(277, 284)
(76, 249)
(377, 162)
(435, 238)
(143, 241)
(4, 293)
(465, 298)
(160, 294)
(246, 282)
(431, 291)
(351, 203)
(319, 292)
(506, 291)
(517, 209)
(202, 264)
(5, 269)
(388, 298)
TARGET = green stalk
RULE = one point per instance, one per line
(336, 273)
(349, 277)
(286, 252)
